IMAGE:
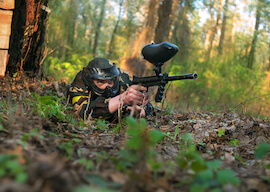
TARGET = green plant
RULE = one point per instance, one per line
(3, 106)
(240, 159)
(224, 83)
(221, 132)
(188, 156)
(234, 142)
(262, 150)
(47, 106)
(33, 133)
(65, 69)
(101, 125)
(140, 137)
(213, 178)
(155, 166)
(68, 147)
(10, 167)
(88, 164)
(176, 131)
(138, 144)
(206, 175)
(117, 128)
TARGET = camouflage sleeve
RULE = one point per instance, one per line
(97, 108)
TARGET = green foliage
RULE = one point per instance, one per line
(140, 137)
(10, 167)
(32, 133)
(262, 150)
(68, 147)
(221, 132)
(93, 189)
(101, 124)
(67, 70)
(234, 142)
(139, 144)
(127, 159)
(87, 163)
(47, 106)
(99, 185)
(206, 175)
(226, 176)
(189, 157)
(176, 131)
(221, 83)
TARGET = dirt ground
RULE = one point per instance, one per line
(48, 153)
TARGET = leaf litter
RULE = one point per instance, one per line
(53, 154)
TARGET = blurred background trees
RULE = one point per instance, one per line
(227, 42)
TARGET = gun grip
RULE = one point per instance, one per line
(160, 92)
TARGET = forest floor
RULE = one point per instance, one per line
(43, 149)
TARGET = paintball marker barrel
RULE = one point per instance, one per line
(154, 80)
(182, 77)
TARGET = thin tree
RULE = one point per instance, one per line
(147, 33)
(112, 41)
(164, 21)
(211, 6)
(71, 21)
(255, 35)
(98, 28)
(223, 28)
(268, 69)
(181, 32)
(214, 30)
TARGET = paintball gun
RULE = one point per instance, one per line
(158, 54)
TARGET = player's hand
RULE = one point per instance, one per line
(134, 96)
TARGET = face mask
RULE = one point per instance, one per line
(108, 91)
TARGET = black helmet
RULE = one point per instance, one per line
(101, 68)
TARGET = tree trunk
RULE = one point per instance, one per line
(164, 21)
(214, 31)
(255, 36)
(210, 26)
(268, 69)
(232, 34)
(71, 22)
(223, 29)
(27, 36)
(101, 17)
(181, 33)
(112, 43)
(147, 34)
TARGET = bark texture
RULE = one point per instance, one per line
(27, 36)
(164, 21)
(99, 24)
(255, 36)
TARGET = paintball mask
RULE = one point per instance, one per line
(103, 69)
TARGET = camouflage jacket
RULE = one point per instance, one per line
(79, 95)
